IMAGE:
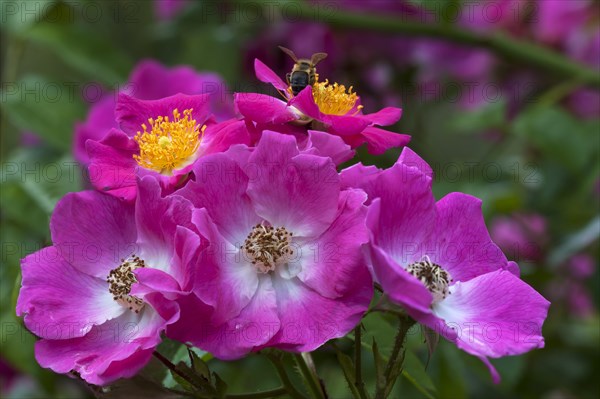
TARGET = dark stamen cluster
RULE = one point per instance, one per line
(267, 247)
(433, 277)
(120, 280)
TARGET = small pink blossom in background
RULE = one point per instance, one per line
(522, 236)
(168, 9)
(581, 266)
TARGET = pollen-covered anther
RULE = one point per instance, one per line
(170, 143)
(433, 277)
(120, 280)
(267, 247)
(334, 99)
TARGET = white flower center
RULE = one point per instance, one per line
(268, 247)
(433, 277)
(120, 280)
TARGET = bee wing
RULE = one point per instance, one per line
(289, 52)
(317, 57)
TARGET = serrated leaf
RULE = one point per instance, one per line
(379, 367)
(414, 372)
(198, 365)
(183, 382)
(432, 339)
(220, 385)
(347, 366)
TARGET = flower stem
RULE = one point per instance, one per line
(285, 379)
(307, 368)
(360, 384)
(395, 357)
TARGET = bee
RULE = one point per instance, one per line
(304, 72)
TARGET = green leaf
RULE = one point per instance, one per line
(432, 339)
(83, 49)
(49, 109)
(220, 385)
(493, 115)
(575, 243)
(347, 366)
(198, 365)
(17, 16)
(183, 382)
(414, 372)
(560, 136)
(379, 368)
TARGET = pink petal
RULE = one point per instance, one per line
(305, 102)
(308, 320)
(100, 119)
(379, 140)
(218, 176)
(112, 348)
(219, 137)
(266, 74)
(407, 213)
(226, 280)
(410, 158)
(60, 302)
(257, 323)
(495, 314)
(298, 192)
(384, 117)
(131, 113)
(264, 109)
(461, 243)
(333, 264)
(93, 231)
(112, 167)
(328, 145)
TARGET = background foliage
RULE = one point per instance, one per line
(536, 155)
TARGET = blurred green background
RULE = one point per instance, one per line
(526, 142)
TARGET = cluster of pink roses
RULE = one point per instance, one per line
(239, 234)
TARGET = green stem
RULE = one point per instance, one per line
(307, 368)
(499, 43)
(360, 384)
(285, 379)
(395, 357)
(259, 395)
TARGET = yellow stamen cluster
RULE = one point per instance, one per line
(333, 99)
(170, 144)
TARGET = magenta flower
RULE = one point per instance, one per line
(162, 138)
(150, 81)
(168, 9)
(522, 236)
(329, 107)
(100, 296)
(284, 267)
(438, 261)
